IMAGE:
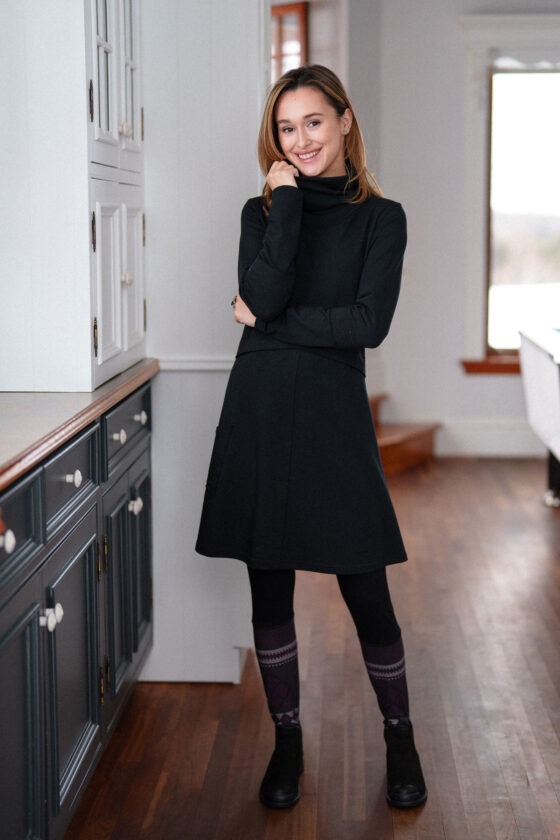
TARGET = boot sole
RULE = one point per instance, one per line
(403, 806)
(273, 803)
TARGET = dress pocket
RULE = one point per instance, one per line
(219, 452)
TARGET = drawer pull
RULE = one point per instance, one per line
(8, 541)
(74, 478)
(120, 436)
(141, 418)
(52, 617)
(135, 506)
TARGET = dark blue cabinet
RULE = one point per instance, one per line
(22, 727)
(75, 615)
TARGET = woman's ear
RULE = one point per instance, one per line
(346, 120)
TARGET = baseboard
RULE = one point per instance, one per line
(499, 438)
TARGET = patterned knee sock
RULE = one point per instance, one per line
(276, 650)
(385, 666)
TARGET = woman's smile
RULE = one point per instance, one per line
(308, 156)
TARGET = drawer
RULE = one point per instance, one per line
(21, 533)
(69, 477)
(125, 425)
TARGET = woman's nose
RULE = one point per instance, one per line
(302, 138)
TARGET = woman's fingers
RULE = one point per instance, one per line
(242, 313)
(282, 173)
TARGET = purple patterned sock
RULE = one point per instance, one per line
(385, 666)
(276, 650)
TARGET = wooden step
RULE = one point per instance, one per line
(375, 401)
(404, 445)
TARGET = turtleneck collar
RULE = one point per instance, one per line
(324, 193)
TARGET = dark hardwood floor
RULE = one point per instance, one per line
(479, 605)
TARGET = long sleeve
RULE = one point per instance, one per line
(365, 322)
(267, 251)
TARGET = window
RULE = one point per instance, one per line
(288, 37)
(524, 222)
(508, 53)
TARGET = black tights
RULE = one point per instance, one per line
(366, 595)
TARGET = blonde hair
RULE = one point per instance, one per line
(324, 80)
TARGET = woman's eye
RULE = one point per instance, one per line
(287, 130)
(313, 123)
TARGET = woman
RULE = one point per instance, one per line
(295, 480)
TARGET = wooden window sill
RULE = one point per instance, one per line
(503, 364)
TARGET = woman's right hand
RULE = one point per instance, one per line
(282, 174)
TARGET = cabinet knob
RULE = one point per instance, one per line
(120, 436)
(127, 278)
(135, 506)
(141, 418)
(74, 478)
(51, 617)
(8, 541)
(58, 613)
(125, 129)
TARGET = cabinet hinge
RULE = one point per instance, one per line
(151, 594)
(142, 122)
(90, 100)
(95, 337)
(93, 232)
(98, 563)
(105, 552)
(101, 686)
(145, 316)
(108, 671)
(143, 229)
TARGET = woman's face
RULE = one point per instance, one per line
(311, 133)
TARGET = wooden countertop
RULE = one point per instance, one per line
(33, 425)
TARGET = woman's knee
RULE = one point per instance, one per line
(272, 596)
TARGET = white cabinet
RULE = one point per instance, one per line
(71, 281)
(117, 276)
(112, 30)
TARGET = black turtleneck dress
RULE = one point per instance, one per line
(295, 479)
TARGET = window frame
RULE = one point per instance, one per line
(301, 10)
(488, 37)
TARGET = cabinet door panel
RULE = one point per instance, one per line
(105, 70)
(70, 579)
(133, 303)
(107, 269)
(21, 716)
(140, 488)
(119, 603)
(130, 115)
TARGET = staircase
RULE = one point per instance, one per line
(402, 445)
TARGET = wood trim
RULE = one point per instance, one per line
(102, 400)
(300, 9)
(493, 363)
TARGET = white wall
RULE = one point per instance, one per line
(203, 89)
(422, 164)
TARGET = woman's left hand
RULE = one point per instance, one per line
(242, 313)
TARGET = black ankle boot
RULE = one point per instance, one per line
(405, 781)
(280, 785)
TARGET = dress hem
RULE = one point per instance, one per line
(301, 565)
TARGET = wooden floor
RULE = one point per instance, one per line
(479, 605)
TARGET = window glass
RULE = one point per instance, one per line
(524, 236)
(288, 37)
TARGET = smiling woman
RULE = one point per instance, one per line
(295, 479)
